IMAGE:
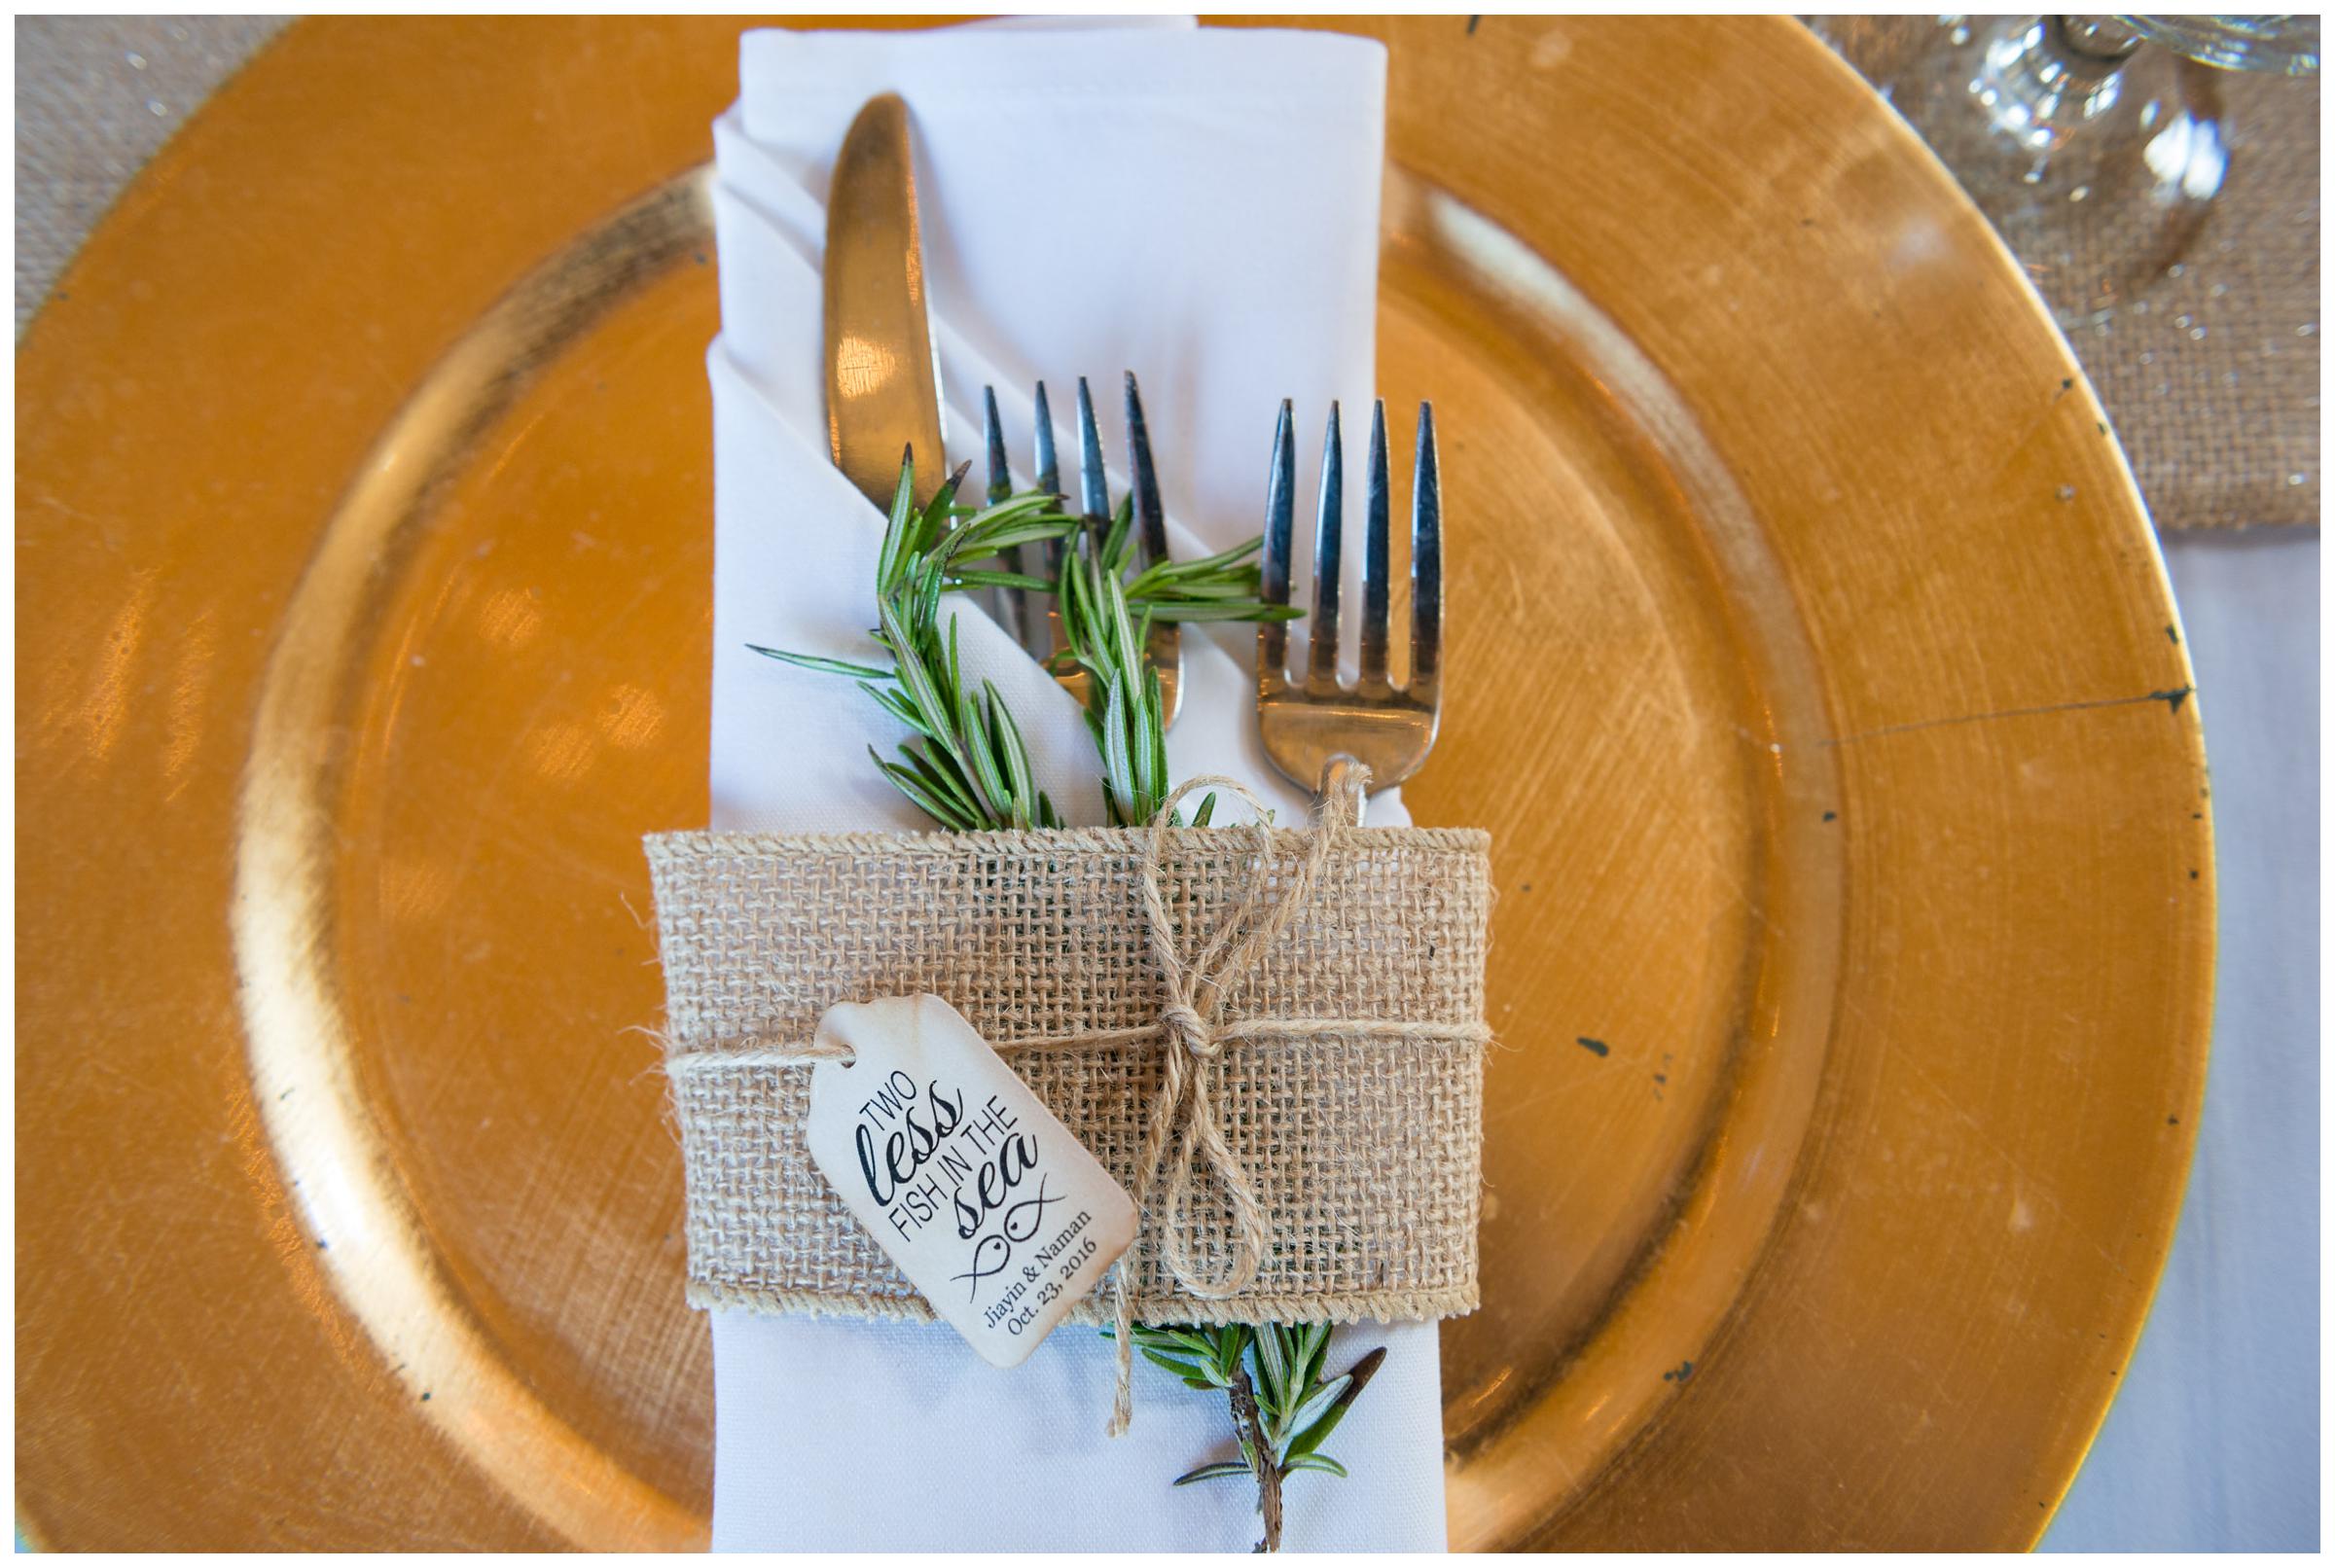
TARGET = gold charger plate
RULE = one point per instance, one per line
(1811, 660)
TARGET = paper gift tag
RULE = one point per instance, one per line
(988, 1204)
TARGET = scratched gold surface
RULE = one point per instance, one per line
(1811, 661)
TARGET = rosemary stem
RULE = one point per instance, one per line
(1251, 1428)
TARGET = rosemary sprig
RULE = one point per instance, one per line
(967, 767)
(1283, 1409)
(965, 764)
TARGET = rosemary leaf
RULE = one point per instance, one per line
(944, 781)
(898, 707)
(1012, 756)
(895, 532)
(825, 667)
(963, 577)
(916, 679)
(1182, 1369)
(1316, 1406)
(1115, 542)
(1211, 610)
(1274, 1363)
(997, 794)
(1159, 572)
(1222, 1468)
(909, 784)
(1118, 765)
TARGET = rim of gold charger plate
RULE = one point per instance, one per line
(108, 463)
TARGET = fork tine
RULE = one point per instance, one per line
(1015, 601)
(1163, 642)
(1001, 483)
(1050, 480)
(1374, 556)
(1050, 471)
(1321, 634)
(1427, 564)
(1094, 488)
(1151, 519)
(1281, 505)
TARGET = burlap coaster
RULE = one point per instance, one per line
(2214, 389)
(1344, 1064)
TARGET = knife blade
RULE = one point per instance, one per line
(883, 381)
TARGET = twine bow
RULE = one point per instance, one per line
(1195, 989)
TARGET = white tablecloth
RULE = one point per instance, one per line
(2214, 1444)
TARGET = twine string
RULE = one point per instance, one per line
(1195, 989)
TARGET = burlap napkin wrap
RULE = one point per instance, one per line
(1280, 1057)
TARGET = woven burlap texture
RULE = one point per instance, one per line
(1365, 1150)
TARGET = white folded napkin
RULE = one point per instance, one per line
(1201, 207)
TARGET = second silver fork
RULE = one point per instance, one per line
(1388, 729)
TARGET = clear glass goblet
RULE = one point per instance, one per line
(2095, 145)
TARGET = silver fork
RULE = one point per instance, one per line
(1165, 645)
(1386, 728)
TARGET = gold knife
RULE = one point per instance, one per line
(884, 388)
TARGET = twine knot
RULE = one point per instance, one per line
(1187, 1028)
(1196, 986)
